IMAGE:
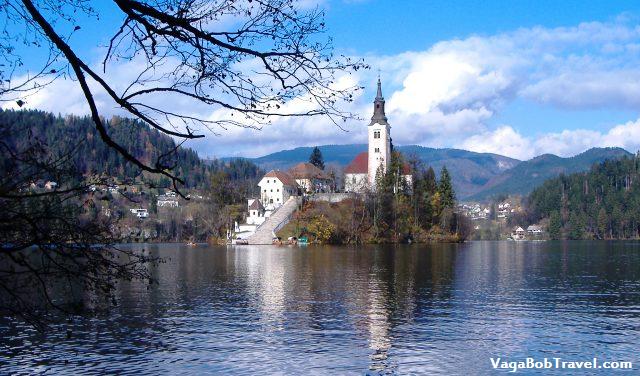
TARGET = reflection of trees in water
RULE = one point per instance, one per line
(364, 293)
(381, 309)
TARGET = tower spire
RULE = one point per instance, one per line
(379, 93)
(378, 106)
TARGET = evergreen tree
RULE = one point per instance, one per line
(603, 223)
(396, 174)
(153, 204)
(555, 226)
(430, 181)
(221, 189)
(316, 158)
(445, 189)
(425, 186)
(602, 203)
(576, 226)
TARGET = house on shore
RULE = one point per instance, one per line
(518, 233)
(257, 215)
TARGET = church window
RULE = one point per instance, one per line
(377, 150)
(353, 180)
(376, 134)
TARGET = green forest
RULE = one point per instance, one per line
(78, 138)
(96, 186)
(603, 203)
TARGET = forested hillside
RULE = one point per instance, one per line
(475, 176)
(78, 138)
(603, 203)
(527, 175)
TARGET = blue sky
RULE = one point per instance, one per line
(518, 78)
(390, 27)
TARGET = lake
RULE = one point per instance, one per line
(426, 309)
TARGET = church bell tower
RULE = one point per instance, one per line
(379, 138)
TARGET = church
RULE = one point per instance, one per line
(360, 174)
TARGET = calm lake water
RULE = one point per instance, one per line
(426, 309)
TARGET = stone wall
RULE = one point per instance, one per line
(331, 197)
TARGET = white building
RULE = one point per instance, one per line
(257, 215)
(167, 201)
(518, 233)
(276, 187)
(140, 213)
(534, 230)
(356, 174)
(256, 212)
(360, 174)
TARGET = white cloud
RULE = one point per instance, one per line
(447, 95)
(507, 141)
(504, 140)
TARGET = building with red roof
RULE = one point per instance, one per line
(309, 177)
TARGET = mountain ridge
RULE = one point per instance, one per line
(476, 176)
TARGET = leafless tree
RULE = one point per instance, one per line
(53, 252)
(247, 61)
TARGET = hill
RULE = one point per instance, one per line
(470, 170)
(475, 176)
(89, 155)
(527, 175)
(602, 203)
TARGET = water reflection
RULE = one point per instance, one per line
(439, 309)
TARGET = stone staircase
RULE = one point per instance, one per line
(265, 233)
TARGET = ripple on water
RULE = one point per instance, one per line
(436, 309)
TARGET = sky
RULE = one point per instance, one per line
(517, 78)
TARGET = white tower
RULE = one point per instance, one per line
(379, 138)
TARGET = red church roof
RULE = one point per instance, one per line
(359, 164)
